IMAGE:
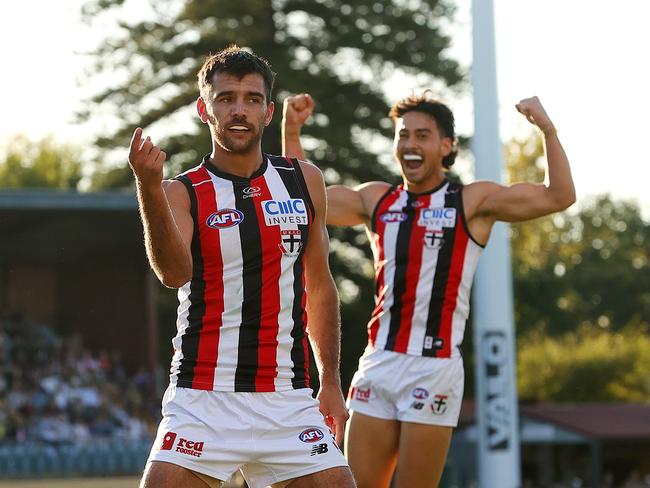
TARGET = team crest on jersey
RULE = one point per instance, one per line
(291, 242)
(439, 404)
(391, 217)
(290, 211)
(434, 239)
(437, 218)
(224, 218)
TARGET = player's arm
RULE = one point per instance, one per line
(165, 213)
(524, 201)
(323, 309)
(296, 109)
(345, 206)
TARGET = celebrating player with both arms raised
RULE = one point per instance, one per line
(426, 236)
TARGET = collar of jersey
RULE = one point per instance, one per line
(428, 192)
(228, 176)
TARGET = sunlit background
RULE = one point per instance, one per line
(73, 277)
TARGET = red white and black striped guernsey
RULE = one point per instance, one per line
(425, 261)
(242, 318)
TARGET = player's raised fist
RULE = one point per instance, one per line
(297, 109)
(146, 159)
(533, 110)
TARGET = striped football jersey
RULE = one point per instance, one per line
(242, 321)
(425, 259)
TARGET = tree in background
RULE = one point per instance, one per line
(40, 164)
(342, 52)
(587, 365)
(581, 267)
(582, 303)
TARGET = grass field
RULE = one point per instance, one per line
(125, 482)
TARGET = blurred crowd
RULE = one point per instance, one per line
(55, 391)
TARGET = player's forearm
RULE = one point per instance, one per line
(325, 331)
(561, 188)
(291, 145)
(165, 248)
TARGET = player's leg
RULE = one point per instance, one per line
(371, 449)
(292, 444)
(159, 474)
(428, 406)
(340, 477)
(422, 455)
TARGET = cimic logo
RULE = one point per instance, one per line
(225, 218)
(291, 211)
(311, 435)
(437, 218)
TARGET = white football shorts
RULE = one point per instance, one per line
(395, 386)
(271, 437)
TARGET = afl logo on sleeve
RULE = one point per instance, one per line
(282, 212)
(224, 218)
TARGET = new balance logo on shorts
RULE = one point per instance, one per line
(184, 446)
(318, 449)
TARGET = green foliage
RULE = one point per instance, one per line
(40, 164)
(588, 266)
(582, 303)
(339, 51)
(588, 365)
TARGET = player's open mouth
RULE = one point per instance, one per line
(238, 128)
(412, 161)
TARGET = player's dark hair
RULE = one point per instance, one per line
(237, 62)
(438, 111)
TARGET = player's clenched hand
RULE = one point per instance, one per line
(146, 159)
(332, 406)
(297, 109)
(532, 109)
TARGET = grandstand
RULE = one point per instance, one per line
(78, 336)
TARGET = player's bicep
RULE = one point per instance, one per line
(345, 206)
(518, 202)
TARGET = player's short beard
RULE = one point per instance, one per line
(228, 144)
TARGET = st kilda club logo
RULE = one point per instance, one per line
(184, 446)
(291, 242)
